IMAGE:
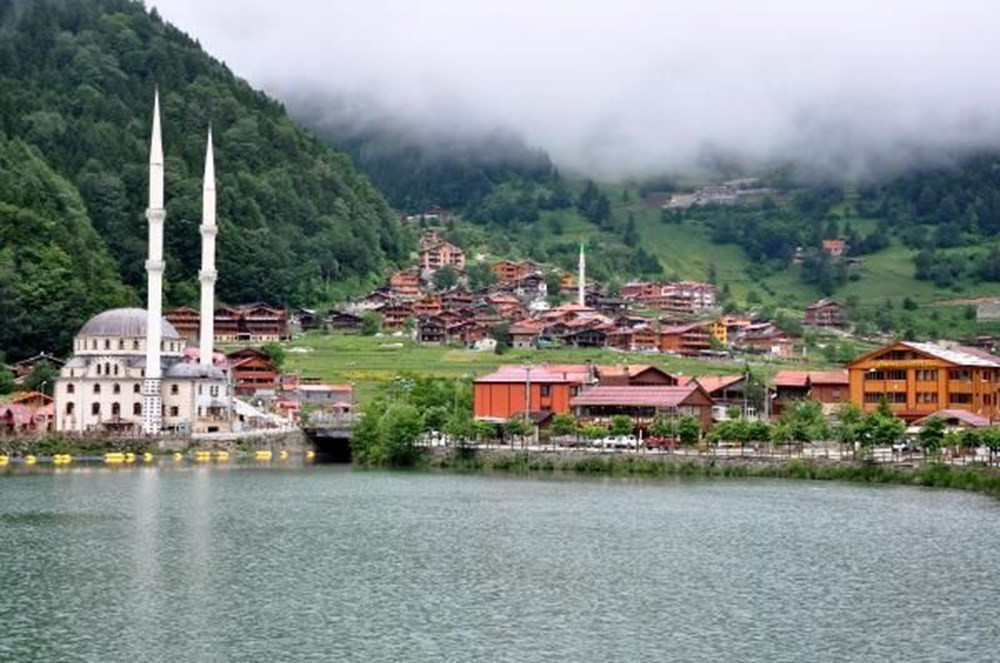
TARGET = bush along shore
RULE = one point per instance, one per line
(975, 478)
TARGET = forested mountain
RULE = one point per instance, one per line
(76, 85)
(54, 268)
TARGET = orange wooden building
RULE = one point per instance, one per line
(917, 379)
(501, 395)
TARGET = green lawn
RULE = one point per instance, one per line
(368, 361)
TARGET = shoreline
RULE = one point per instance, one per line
(979, 479)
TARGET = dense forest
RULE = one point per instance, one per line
(76, 88)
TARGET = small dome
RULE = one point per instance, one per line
(191, 370)
(128, 322)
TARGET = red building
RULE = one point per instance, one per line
(643, 403)
(253, 370)
(501, 395)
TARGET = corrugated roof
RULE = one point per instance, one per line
(712, 383)
(964, 416)
(631, 396)
(961, 357)
(519, 374)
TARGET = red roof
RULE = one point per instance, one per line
(711, 383)
(538, 374)
(791, 379)
(631, 396)
(828, 377)
(962, 416)
(19, 415)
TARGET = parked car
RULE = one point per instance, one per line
(666, 443)
(618, 442)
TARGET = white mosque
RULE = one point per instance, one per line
(130, 371)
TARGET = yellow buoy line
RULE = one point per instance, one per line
(130, 457)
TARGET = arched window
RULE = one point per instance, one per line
(70, 407)
(98, 369)
(121, 344)
(97, 388)
(116, 410)
(93, 344)
(107, 344)
(137, 409)
(135, 344)
(136, 389)
(117, 389)
(70, 388)
(174, 390)
(116, 369)
(95, 409)
(107, 368)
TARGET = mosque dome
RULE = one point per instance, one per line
(124, 322)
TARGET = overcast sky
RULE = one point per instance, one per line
(624, 86)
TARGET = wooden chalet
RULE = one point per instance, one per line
(187, 322)
(253, 370)
(394, 316)
(598, 404)
(689, 340)
(339, 321)
(634, 339)
(431, 331)
(918, 379)
(825, 313)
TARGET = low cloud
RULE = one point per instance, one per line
(846, 87)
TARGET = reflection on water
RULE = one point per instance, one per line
(192, 563)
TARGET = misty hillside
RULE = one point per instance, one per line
(418, 167)
(76, 85)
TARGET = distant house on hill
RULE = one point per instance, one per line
(825, 313)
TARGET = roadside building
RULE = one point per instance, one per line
(643, 404)
(727, 391)
(829, 388)
(918, 379)
(690, 339)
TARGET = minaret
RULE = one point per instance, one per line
(581, 286)
(207, 273)
(152, 407)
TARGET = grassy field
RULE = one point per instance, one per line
(369, 361)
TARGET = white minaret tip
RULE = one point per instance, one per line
(156, 143)
(209, 163)
(207, 275)
(582, 279)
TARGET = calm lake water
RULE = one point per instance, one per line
(329, 564)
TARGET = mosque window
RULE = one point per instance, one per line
(116, 409)
(97, 388)
(137, 409)
(174, 390)
(95, 409)
(70, 407)
(135, 344)
(136, 389)
(98, 369)
(116, 369)
(107, 368)
(93, 344)
(173, 411)
(70, 388)
(121, 344)
(107, 344)
(116, 389)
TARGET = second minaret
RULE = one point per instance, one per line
(207, 274)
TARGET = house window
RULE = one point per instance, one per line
(960, 374)
(835, 394)
(959, 398)
(173, 410)
(117, 389)
(137, 409)
(546, 390)
(927, 397)
(97, 388)
(95, 409)
(174, 390)
(70, 388)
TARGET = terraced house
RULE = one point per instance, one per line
(919, 379)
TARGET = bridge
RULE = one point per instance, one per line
(330, 436)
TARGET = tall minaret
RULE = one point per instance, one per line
(207, 273)
(152, 407)
(581, 286)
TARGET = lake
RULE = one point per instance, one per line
(229, 563)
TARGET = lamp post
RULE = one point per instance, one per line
(527, 398)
